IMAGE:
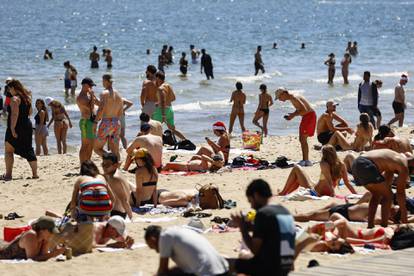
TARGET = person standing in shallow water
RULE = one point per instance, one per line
(258, 62)
(194, 54)
(206, 64)
(238, 98)
(330, 62)
(108, 58)
(265, 101)
(345, 67)
(94, 58)
(183, 64)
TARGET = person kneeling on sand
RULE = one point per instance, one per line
(33, 244)
(113, 229)
(386, 139)
(223, 143)
(198, 163)
(332, 171)
(191, 252)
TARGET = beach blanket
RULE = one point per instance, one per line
(181, 173)
(302, 195)
(110, 249)
(223, 228)
(149, 209)
(155, 220)
(16, 261)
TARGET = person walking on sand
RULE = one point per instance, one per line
(148, 96)
(126, 104)
(94, 58)
(86, 102)
(265, 101)
(345, 67)
(206, 64)
(61, 123)
(238, 98)
(399, 104)
(367, 97)
(330, 62)
(111, 107)
(258, 62)
(307, 124)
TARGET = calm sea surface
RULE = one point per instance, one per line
(230, 30)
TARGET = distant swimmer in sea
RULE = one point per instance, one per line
(94, 58)
(265, 101)
(307, 124)
(354, 49)
(70, 79)
(348, 47)
(183, 64)
(274, 46)
(48, 54)
(302, 46)
(194, 54)
(330, 62)
(170, 55)
(399, 104)
(108, 58)
(238, 98)
(345, 67)
(148, 51)
(206, 64)
(258, 62)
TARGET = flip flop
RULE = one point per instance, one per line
(5, 178)
(13, 216)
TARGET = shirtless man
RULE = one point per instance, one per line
(94, 58)
(110, 111)
(386, 139)
(118, 184)
(146, 140)
(265, 101)
(156, 127)
(86, 102)
(325, 127)
(149, 91)
(399, 104)
(258, 62)
(113, 229)
(239, 99)
(164, 112)
(375, 171)
(307, 124)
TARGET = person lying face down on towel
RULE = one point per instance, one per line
(34, 244)
(113, 229)
(198, 163)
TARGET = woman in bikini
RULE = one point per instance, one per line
(222, 145)
(146, 178)
(345, 67)
(198, 163)
(363, 136)
(41, 132)
(332, 171)
(265, 101)
(330, 62)
(238, 98)
(62, 123)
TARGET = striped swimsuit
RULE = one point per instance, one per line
(94, 199)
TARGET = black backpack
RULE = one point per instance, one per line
(403, 238)
(282, 162)
(168, 138)
(185, 145)
(238, 162)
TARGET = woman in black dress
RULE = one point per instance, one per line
(19, 129)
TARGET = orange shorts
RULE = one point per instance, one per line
(308, 124)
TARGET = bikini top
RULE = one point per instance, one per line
(150, 183)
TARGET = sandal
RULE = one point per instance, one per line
(13, 216)
(5, 178)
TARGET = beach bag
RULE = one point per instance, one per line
(78, 236)
(185, 145)
(251, 141)
(209, 197)
(282, 162)
(403, 238)
(238, 162)
(168, 138)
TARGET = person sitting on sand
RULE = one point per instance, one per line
(238, 98)
(33, 244)
(223, 143)
(332, 171)
(113, 229)
(192, 253)
(61, 121)
(146, 178)
(198, 163)
(363, 136)
(265, 101)
(386, 139)
(325, 127)
(155, 126)
(92, 197)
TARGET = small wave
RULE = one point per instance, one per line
(386, 91)
(355, 77)
(389, 74)
(72, 107)
(202, 105)
(253, 79)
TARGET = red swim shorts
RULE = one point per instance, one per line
(308, 124)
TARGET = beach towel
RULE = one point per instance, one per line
(181, 173)
(149, 209)
(302, 195)
(155, 220)
(112, 250)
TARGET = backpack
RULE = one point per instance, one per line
(209, 197)
(185, 145)
(168, 138)
(282, 162)
(238, 162)
(403, 238)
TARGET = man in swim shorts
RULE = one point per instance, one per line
(375, 171)
(307, 124)
(149, 91)
(258, 62)
(94, 58)
(399, 104)
(86, 102)
(109, 113)
(325, 127)
(164, 112)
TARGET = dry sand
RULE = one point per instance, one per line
(52, 191)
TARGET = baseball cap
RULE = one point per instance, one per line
(46, 223)
(88, 81)
(48, 100)
(118, 223)
(331, 103)
(279, 92)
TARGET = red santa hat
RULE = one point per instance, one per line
(219, 126)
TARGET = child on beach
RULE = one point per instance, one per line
(238, 98)
(265, 101)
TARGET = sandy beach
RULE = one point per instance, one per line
(31, 198)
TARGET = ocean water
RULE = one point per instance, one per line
(230, 30)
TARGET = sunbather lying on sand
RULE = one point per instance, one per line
(198, 163)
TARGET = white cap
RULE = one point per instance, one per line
(48, 100)
(118, 223)
(9, 79)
